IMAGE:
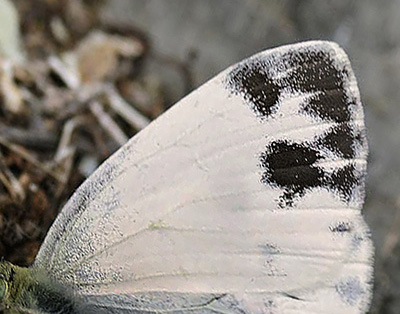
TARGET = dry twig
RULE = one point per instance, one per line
(29, 158)
(109, 125)
(126, 111)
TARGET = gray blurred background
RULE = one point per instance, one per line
(192, 40)
(211, 35)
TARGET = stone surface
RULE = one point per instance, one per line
(225, 31)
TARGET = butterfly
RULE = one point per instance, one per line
(245, 197)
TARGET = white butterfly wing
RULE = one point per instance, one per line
(245, 197)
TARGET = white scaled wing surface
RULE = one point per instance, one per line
(245, 197)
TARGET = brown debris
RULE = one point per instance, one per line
(83, 93)
(97, 56)
(11, 97)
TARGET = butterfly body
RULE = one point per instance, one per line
(31, 290)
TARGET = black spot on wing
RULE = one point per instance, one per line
(341, 227)
(290, 166)
(340, 139)
(329, 105)
(252, 82)
(344, 180)
(293, 166)
(316, 72)
(300, 71)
